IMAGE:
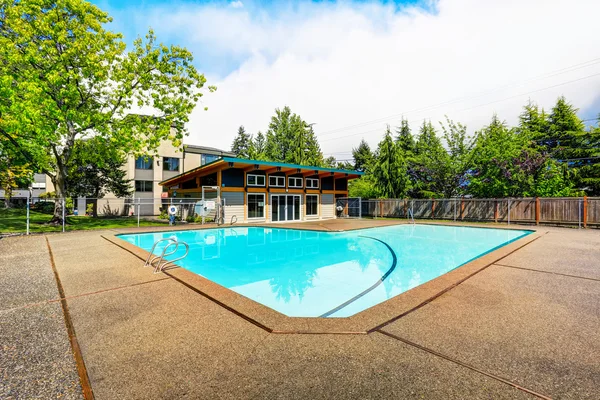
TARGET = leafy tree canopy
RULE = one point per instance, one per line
(64, 77)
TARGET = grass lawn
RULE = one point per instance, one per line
(14, 220)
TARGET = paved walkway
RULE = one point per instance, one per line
(526, 327)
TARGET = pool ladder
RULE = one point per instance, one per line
(160, 260)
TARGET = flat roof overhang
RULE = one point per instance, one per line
(268, 166)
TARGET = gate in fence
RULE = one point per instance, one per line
(349, 207)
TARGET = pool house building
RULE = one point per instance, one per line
(265, 191)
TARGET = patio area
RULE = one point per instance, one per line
(81, 318)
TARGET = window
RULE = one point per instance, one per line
(312, 183)
(277, 181)
(143, 162)
(255, 180)
(312, 204)
(143, 186)
(256, 205)
(208, 158)
(170, 164)
(294, 182)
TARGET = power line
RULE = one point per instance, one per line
(485, 104)
(544, 76)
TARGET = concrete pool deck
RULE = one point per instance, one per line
(527, 326)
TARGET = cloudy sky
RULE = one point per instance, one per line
(351, 67)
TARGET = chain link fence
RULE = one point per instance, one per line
(21, 214)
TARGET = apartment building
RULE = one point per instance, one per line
(147, 172)
(144, 172)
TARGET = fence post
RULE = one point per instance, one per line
(496, 211)
(381, 208)
(359, 208)
(537, 211)
(138, 210)
(462, 208)
(63, 215)
(432, 207)
(28, 201)
(585, 211)
(455, 209)
(579, 205)
(508, 211)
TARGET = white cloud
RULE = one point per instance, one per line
(236, 4)
(339, 65)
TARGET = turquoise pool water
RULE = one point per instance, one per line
(328, 274)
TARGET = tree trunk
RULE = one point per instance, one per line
(95, 209)
(59, 183)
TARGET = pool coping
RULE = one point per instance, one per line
(364, 322)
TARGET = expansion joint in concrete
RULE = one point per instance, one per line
(84, 379)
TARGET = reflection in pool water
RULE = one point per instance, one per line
(310, 274)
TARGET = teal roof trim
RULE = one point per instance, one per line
(287, 165)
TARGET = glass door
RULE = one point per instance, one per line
(274, 208)
(285, 207)
(290, 208)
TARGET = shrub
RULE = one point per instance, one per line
(45, 207)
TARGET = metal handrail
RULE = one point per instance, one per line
(231, 222)
(159, 267)
(160, 259)
(148, 262)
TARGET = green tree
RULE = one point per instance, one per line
(509, 164)
(389, 171)
(97, 169)
(291, 139)
(15, 172)
(258, 147)
(64, 77)
(431, 168)
(460, 150)
(279, 141)
(588, 165)
(363, 157)
(404, 138)
(364, 187)
(330, 162)
(242, 143)
(533, 121)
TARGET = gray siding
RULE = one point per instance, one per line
(327, 206)
(234, 205)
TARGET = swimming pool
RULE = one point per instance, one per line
(303, 273)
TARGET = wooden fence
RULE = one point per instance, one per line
(575, 211)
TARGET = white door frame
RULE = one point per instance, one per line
(285, 213)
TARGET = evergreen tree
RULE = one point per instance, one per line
(389, 171)
(565, 132)
(533, 121)
(313, 153)
(290, 139)
(242, 144)
(330, 162)
(279, 136)
(588, 167)
(509, 164)
(363, 157)
(460, 149)
(404, 138)
(258, 147)
(431, 164)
